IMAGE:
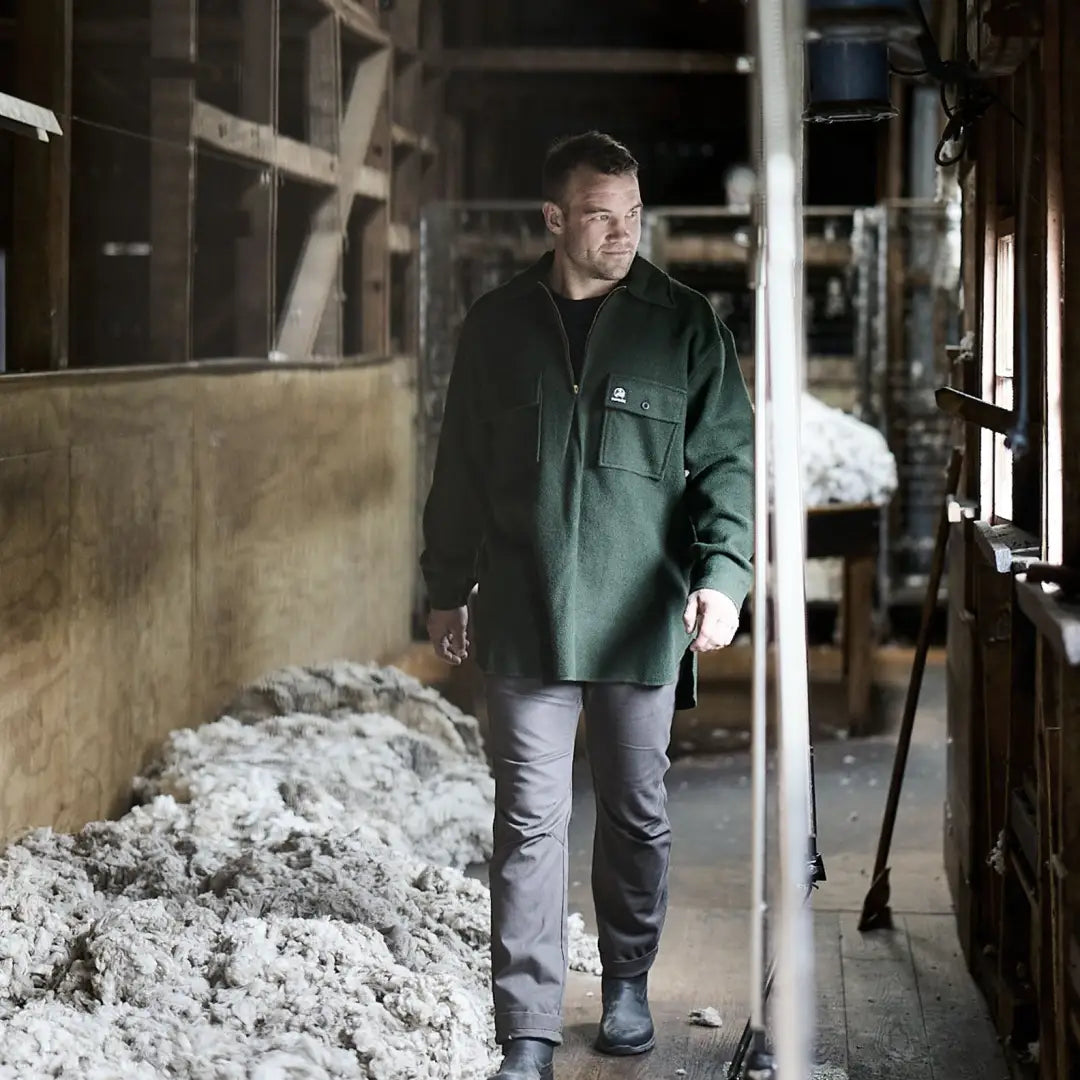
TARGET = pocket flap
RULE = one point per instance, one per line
(643, 397)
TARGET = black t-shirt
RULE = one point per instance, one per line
(577, 319)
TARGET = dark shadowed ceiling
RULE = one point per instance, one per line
(685, 129)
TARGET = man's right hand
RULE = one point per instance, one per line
(449, 633)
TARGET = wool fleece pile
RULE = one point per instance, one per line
(285, 901)
(844, 460)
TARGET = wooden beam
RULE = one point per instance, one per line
(356, 20)
(317, 268)
(262, 145)
(403, 22)
(374, 247)
(974, 410)
(371, 183)
(323, 99)
(402, 239)
(26, 118)
(1053, 514)
(217, 28)
(41, 232)
(1069, 43)
(711, 248)
(406, 196)
(1057, 619)
(256, 253)
(173, 37)
(553, 61)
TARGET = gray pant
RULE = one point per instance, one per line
(532, 729)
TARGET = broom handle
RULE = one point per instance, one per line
(922, 647)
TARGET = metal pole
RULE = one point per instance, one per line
(759, 744)
(780, 32)
(760, 627)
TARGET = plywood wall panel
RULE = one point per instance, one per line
(130, 618)
(302, 545)
(111, 410)
(32, 421)
(34, 742)
(166, 538)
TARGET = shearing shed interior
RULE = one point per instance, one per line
(246, 809)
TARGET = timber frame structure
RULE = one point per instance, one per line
(1012, 816)
(286, 147)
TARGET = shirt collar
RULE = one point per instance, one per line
(643, 281)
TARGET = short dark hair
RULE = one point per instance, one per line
(594, 150)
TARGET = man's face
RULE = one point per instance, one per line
(598, 223)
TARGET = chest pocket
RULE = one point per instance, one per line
(514, 425)
(641, 419)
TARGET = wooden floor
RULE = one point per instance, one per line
(894, 1004)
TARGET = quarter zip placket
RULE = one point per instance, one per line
(592, 326)
(574, 385)
(566, 341)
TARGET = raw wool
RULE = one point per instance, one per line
(706, 1017)
(844, 460)
(817, 1072)
(272, 908)
(345, 686)
(306, 773)
(584, 949)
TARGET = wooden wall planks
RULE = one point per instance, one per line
(165, 539)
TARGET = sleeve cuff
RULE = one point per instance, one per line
(723, 575)
(448, 597)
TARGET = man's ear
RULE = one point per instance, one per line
(553, 217)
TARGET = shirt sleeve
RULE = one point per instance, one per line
(720, 463)
(453, 520)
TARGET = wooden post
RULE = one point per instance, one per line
(374, 244)
(41, 255)
(256, 253)
(406, 198)
(324, 131)
(860, 573)
(1069, 16)
(173, 51)
(1055, 188)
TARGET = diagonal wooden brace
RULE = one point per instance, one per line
(317, 270)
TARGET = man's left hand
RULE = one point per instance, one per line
(712, 617)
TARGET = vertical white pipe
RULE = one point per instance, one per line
(760, 627)
(760, 630)
(780, 34)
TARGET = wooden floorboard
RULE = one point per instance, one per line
(832, 1033)
(703, 963)
(960, 1036)
(886, 1033)
(890, 1006)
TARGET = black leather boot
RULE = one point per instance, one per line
(527, 1059)
(626, 1026)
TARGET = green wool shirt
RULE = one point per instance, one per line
(587, 512)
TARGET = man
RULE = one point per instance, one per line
(594, 481)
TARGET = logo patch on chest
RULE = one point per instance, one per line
(619, 395)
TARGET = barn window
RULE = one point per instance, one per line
(997, 494)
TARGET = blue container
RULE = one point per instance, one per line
(849, 81)
(864, 20)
